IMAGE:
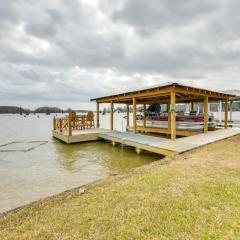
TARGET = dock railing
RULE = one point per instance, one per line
(74, 122)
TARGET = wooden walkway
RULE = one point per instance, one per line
(211, 137)
(141, 142)
(78, 135)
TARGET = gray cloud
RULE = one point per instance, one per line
(67, 52)
(148, 17)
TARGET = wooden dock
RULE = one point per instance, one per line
(141, 142)
(80, 128)
(78, 136)
(163, 146)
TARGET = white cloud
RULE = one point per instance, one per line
(66, 52)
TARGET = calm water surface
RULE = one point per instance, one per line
(55, 167)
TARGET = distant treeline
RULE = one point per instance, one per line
(47, 110)
(11, 109)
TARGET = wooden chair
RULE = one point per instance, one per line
(80, 122)
(72, 118)
(89, 120)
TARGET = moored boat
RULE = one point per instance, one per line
(193, 120)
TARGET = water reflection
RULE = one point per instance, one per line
(76, 157)
(55, 167)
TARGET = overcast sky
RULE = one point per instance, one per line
(62, 53)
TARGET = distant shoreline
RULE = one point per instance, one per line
(45, 109)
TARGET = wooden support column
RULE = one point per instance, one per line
(192, 106)
(173, 115)
(231, 109)
(169, 116)
(205, 107)
(127, 116)
(114, 143)
(144, 116)
(220, 112)
(226, 114)
(97, 117)
(138, 150)
(134, 115)
(111, 116)
(54, 123)
(60, 124)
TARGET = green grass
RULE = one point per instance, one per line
(195, 195)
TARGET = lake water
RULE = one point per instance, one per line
(55, 167)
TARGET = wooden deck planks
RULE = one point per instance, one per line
(210, 137)
(78, 135)
(138, 141)
(158, 145)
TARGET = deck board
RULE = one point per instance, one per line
(154, 144)
(212, 136)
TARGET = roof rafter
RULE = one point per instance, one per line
(160, 92)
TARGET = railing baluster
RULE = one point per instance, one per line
(69, 123)
(69, 127)
(60, 124)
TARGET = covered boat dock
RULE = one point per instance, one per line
(71, 129)
(169, 94)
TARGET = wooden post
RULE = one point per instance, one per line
(205, 107)
(144, 116)
(69, 126)
(111, 116)
(192, 106)
(127, 116)
(169, 116)
(226, 114)
(138, 150)
(134, 115)
(97, 117)
(73, 120)
(54, 123)
(60, 124)
(231, 109)
(173, 115)
(220, 112)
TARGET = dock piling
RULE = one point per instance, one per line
(138, 150)
(54, 123)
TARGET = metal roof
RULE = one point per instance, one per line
(162, 86)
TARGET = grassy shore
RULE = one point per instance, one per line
(195, 195)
